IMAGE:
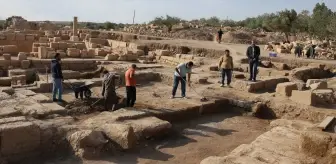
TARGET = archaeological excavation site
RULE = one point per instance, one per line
(286, 116)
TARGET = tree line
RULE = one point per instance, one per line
(320, 23)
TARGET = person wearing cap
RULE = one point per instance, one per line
(110, 80)
(57, 78)
(130, 86)
(180, 76)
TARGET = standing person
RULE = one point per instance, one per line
(109, 90)
(130, 86)
(226, 66)
(311, 52)
(298, 51)
(253, 53)
(180, 75)
(219, 35)
(57, 77)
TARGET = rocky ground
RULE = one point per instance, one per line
(191, 141)
(164, 130)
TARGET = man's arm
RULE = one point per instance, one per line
(232, 63)
(103, 86)
(58, 70)
(177, 70)
(131, 74)
(248, 52)
(220, 62)
(258, 53)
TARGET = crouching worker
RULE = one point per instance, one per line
(109, 90)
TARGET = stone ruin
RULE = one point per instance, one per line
(324, 49)
(298, 95)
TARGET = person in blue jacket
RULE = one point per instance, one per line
(57, 77)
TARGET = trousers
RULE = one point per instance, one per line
(253, 69)
(57, 88)
(228, 74)
(130, 96)
(177, 80)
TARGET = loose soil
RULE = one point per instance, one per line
(190, 142)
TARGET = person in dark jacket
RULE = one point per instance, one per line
(219, 35)
(110, 81)
(57, 77)
(311, 52)
(253, 53)
(298, 51)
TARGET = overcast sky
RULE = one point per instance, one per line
(122, 10)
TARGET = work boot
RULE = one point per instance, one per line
(229, 86)
(55, 100)
(222, 85)
(172, 97)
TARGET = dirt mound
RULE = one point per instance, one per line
(84, 106)
(237, 37)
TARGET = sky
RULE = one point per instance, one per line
(121, 11)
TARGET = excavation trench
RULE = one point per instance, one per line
(199, 133)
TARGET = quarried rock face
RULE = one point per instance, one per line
(306, 73)
(87, 143)
(289, 141)
(19, 138)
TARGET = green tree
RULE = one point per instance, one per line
(302, 22)
(321, 18)
(284, 22)
(109, 25)
(332, 26)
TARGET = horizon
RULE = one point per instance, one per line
(147, 10)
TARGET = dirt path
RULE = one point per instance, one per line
(191, 141)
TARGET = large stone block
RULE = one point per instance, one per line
(42, 52)
(100, 52)
(306, 73)
(87, 143)
(73, 52)
(98, 41)
(285, 89)
(25, 64)
(111, 57)
(22, 56)
(319, 85)
(315, 143)
(44, 86)
(19, 138)
(122, 135)
(74, 38)
(30, 37)
(54, 45)
(7, 56)
(20, 37)
(11, 49)
(312, 81)
(163, 53)
(324, 96)
(303, 97)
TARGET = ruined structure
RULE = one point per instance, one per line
(288, 89)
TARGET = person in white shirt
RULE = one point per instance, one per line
(180, 76)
